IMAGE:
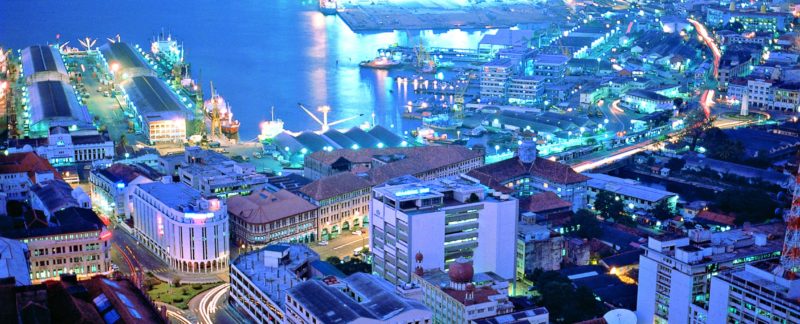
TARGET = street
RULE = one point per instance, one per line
(341, 246)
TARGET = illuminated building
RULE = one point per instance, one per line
(461, 295)
(551, 67)
(645, 101)
(214, 174)
(160, 114)
(43, 63)
(346, 178)
(635, 195)
(180, 226)
(54, 103)
(359, 298)
(675, 271)
(20, 171)
(72, 240)
(265, 217)
(437, 222)
(525, 90)
(260, 279)
(63, 146)
(759, 293)
(124, 62)
(112, 187)
(527, 174)
(494, 79)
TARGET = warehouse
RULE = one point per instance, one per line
(160, 112)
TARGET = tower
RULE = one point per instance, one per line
(745, 110)
(790, 256)
(528, 151)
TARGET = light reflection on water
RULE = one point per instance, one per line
(258, 53)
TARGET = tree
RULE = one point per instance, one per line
(675, 164)
(565, 303)
(749, 205)
(663, 210)
(697, 123)
(609, 205)
(587, 224)
(678, 102)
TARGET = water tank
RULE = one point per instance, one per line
(620, 316)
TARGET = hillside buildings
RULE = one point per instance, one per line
(178, 224)
(437, 222)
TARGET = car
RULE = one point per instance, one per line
(357, 232)
(357, 251)
(322, 243)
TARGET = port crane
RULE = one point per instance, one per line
(324, 124)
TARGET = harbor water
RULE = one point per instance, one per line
(258, 53)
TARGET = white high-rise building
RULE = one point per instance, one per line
(759, 293)
(186, 230)
(675, 271)
(416, 225)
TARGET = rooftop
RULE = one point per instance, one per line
(123, 54)
(27, 162)
(543, 202)
(264, 206)
(151, 96)
(497, 174)
(487, 285)
(65, 221)
(289, 262)
(42, 58)
(54, 194)
(627, 187)
(331, 305)
(647, 94)
(56, 101)
(178, 196)
(125, 173)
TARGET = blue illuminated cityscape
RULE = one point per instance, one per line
(400, 161)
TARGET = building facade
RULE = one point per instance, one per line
(675, 272)
(186, 230)
(754, 294)
(437, 222)
(266, 217)
(112, 187)
(20, 171)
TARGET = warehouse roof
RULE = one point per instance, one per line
(42, 58)
(152, 98)
(55, 100)
(627, 187)
(123, 54)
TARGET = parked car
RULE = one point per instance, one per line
(322, 243)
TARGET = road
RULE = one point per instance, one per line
(341, 246)
(702, 32)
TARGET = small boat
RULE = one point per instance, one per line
(380, 62)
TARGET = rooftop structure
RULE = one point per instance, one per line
(217, 175)
(96, 300)
(759, 292)
(112, 187)
(43, 63)
(526, 174)
(461, 295)
(635, 194)
(14, 258)
(260, 279)
(54, 195)
(124, 61)
(53, 103)
(162, 114)
(359, 297)
(672, 263)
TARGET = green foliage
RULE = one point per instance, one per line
(675, 164)
(609, 206)
(351, 266)
(565, 303)
(749, 205)
(663, 210)
(587, 224)
(719, 146)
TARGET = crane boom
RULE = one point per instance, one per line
(344, 120)
(310, 113)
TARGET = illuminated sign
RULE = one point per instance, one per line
(120, 185)
(160, 223)
(410, 192)
(199, 215)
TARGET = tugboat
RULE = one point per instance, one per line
(327, 7)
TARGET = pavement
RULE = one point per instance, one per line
(341, 246)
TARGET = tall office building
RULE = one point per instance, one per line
(675, 271)
(436, 222)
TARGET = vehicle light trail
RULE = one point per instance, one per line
(209, 302)
(703, 33)
(619, 155)
(180, 318)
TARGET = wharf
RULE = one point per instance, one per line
(361, 17)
